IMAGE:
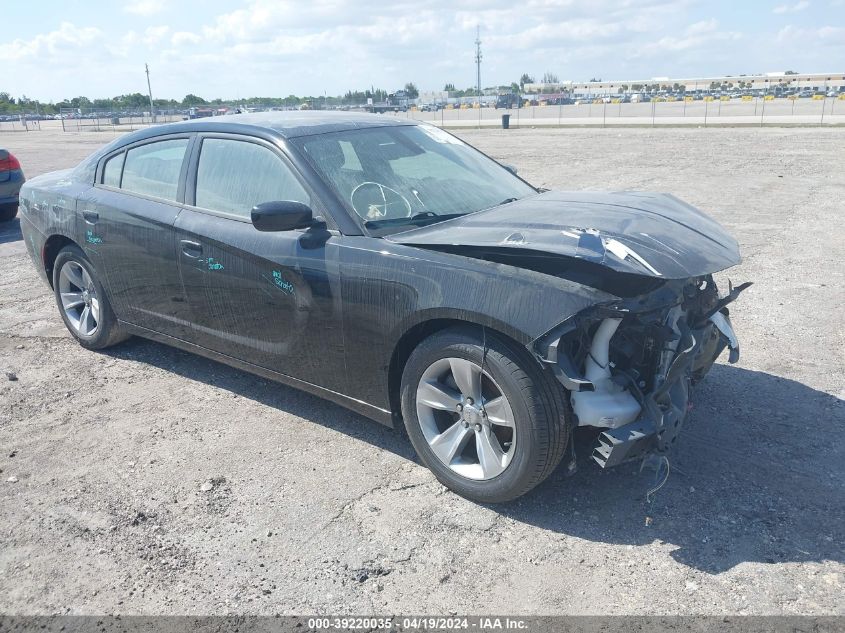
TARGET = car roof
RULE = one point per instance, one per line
(288, 124)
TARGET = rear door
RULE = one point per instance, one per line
(128, 231)
(271, 299)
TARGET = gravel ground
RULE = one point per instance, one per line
(145, 480)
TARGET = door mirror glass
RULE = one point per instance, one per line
(282, 215)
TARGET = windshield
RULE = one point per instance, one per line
(403, 176)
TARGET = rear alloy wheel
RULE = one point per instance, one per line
(82, 301)
(488, 434)
(79, 299)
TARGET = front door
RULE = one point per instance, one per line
(271, 299)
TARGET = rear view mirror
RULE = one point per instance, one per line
(281, 215)
(510, 168)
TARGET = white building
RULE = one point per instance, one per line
(767, 81)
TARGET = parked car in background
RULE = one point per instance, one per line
(388, 266)
(11, 180)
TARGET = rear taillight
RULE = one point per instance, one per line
(10, 163)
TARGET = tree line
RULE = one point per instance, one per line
(137, 101)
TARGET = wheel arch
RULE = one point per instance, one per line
(50, 251)
(426, 328)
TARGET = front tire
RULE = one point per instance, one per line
(489, 434)
(82, 301)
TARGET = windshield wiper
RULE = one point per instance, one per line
(415, 219)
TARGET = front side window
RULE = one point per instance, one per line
(234, 176)
(153, 169)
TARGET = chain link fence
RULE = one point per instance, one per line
(708, 110)
(87, 120)
(762, 110)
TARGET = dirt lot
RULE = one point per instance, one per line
(146, 480)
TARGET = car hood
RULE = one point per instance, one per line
(651, 234)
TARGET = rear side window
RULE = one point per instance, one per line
(153, 169)
(113, 169)
(234, 176)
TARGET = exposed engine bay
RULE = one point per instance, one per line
(630, 366)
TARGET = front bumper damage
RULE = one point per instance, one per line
(643, 414)
(666, 408)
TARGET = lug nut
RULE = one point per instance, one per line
(469, 400)
(460, 407)
(478, 428)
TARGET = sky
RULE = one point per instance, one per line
(235, 49)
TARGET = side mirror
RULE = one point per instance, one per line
(510, 168)
(281, 215)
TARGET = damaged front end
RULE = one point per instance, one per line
(630, 365)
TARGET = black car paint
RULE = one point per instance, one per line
(326, 309)
(675, 239)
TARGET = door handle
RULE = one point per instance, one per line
(191, 249)
(91, 217)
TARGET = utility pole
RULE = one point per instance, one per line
(478, 62)
(150, 92)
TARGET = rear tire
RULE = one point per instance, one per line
(82, 301)
(8, 212)
(529, 440)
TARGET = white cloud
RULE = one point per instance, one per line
(698, 36)
(154, 34)
(182, 38)
(791, 8)
(66, 41)
(834, 35)
(145, 7)
(705, 26)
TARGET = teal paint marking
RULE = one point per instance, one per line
(93, 239)
(283, 284)
(214, 265)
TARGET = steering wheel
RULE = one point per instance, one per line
(382, 204)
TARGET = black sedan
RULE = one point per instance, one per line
(388, 266)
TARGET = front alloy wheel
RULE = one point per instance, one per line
(466, 418)
(489, 423)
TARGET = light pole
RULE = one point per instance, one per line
(478, 69)
(150, 92)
